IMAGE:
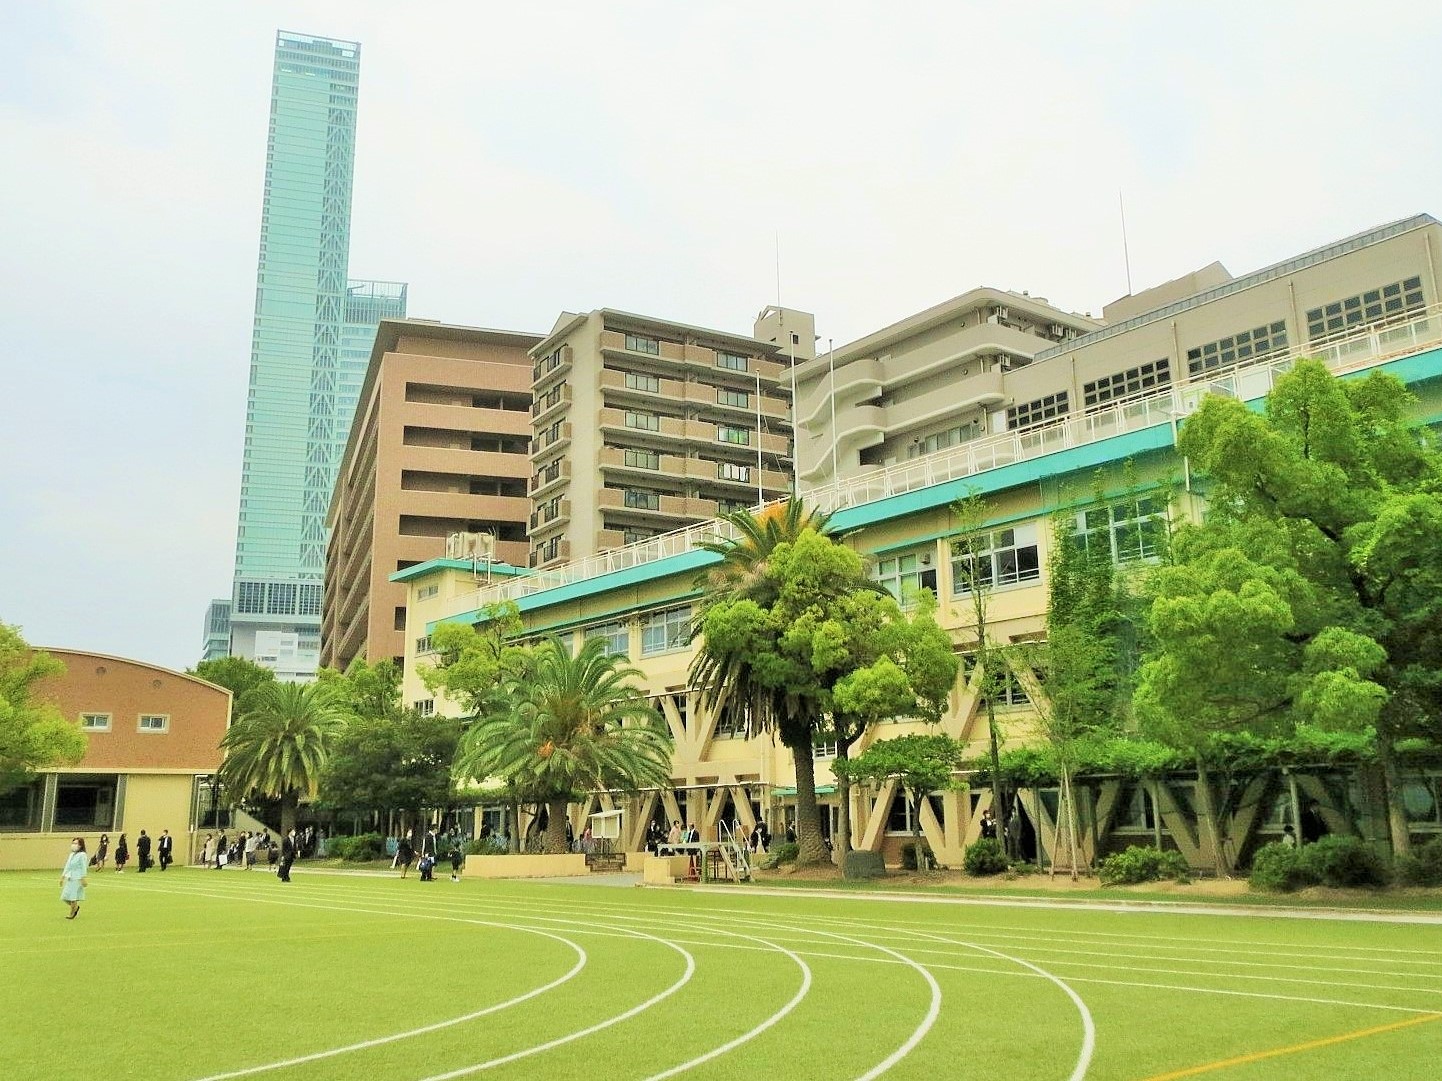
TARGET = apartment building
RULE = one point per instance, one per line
(439, 445)
(641, 426)
(933, 380)
(1365, 303)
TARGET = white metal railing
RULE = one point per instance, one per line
(1362, 348)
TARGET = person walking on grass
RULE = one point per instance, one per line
(74, 878)
(102, 850)
(289, 847)
(166, 846)
(251, 844)
(220, 843)
(404, 855)
(142, 852)
(456, 860)
(122, 854)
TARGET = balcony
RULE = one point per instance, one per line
(614, 341)
(541, 408)
(613, 460)
(671, 428)
(551, 446)
(558, 473)
(548, 515)
(615, 388)
(549, 368)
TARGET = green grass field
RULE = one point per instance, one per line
(195, 974)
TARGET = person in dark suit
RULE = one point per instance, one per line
(142, 852)
(166, 848)
(288, 851)
(428, 844)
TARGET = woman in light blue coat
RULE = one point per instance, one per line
(73, 879)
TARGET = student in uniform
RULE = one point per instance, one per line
(73, 878)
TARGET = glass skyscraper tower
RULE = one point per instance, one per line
(311, 341)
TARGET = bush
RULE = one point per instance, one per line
(985, 857)
(1343, 862)
(358, 849)
(1143, 863)
(1277, 868)
(491, 846)
(785, 852)
(1423, 867)
(908, 856)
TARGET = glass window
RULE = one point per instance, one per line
(727, 434)
(154, 722)
(1131, 530)
(85, 803)
(310, 598)
(1373, 306)
(642, 381)
(615, 635)
(665, 630)
(95, 722)
(648, 422)
(280, 598)
(1037, 412)
(1127, 384)
(641, 499)
(20, 807)
(731, 471)
(643, 459)
(250, 598)
(733, 361)
(638, 343)
(1237, 349)
(1002, 557)
(423, 644)
(426, 707)
(906, 574)
(733, 397)
(1135, 810)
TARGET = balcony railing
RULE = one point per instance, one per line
(1364, 348)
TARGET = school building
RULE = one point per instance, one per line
(153, 751)
(1104, 403)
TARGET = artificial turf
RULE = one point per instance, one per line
(197, 974)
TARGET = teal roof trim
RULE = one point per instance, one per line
(1117, 447)
(604, 583)
(434, 566)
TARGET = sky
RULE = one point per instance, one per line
(519, 160)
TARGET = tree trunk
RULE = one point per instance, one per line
(555, 839)
(998, 808)
(513, 827)
(810, 848)
(1392, 786)
(843, 819)
(917, 851)
(1207, 813)
(289, 803)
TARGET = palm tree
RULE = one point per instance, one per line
(279, 746)
(573, 724)
(727, 685)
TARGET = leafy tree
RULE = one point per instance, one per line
(734, 681)
(573, 724)
(279, 747)
(392, 762)
(1312, 595)
(811, 648)
(33, 734)
(239, 675)
(922, 764)
(367, 690)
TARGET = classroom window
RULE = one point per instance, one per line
(1001, 557)
(906, 574)
(665, 630)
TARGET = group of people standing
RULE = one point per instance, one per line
(430, 847)
(163, 846)
(757, 839)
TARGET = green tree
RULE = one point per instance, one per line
(810, 648)
(367, 690)
(572, 725)
(1311, 598)
(392, 762)
(730, 683)
(33, 734)
(921, 764)
(279, 747)
(238, 675)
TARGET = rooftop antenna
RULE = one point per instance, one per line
(1126, 252)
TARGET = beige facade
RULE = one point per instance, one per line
(439, 445)
(642, 426)
(1368, 302)
(933, 380)
(153, 735)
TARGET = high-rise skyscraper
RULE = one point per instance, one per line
(311, 340)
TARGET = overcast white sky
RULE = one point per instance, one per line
(515, 160)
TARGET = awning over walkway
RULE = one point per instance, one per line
(821, 790)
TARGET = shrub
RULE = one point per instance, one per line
(1143, 863)
(1423, 867)
(358, 849)
(1277, 868)
(1343, 861)
(490, 846)
(908, 856)
(785, 852)
(985, 857)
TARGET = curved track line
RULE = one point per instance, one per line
(746, 1037)
(549, 1044)
(1089, 1031)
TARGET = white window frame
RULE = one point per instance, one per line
(1137, 515)
(903, 574)
(730, 433)
(613, 632)
(672, 625)
(141, 726)
(86, 718)
(1001, 551)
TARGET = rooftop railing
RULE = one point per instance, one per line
(1345, 352)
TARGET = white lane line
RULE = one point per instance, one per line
(1089, 1030)
(568, 1038)
(746, 1037)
